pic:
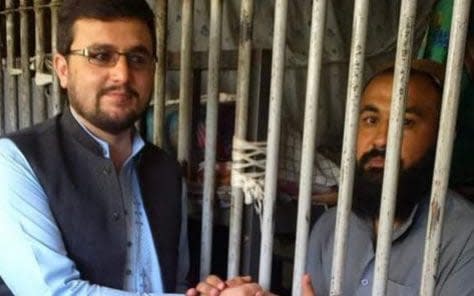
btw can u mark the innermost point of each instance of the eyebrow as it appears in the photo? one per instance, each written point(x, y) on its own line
point(137, 48)
point(369, 108)
point(410, 110)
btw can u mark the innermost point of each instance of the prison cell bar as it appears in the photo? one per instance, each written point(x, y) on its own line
point(185, 83)
point(55, 89)
point(211, 136)
point(318, 23)
point(348, 157)
point(39, 103)
point(273, 140)
point(241, 120)
point(394, 140)
point(24, 91)
point(159, 96)
point(11, 97)
point(444, 148)
point(2, 97)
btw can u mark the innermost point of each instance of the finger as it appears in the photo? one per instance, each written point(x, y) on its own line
point(238, 280)
point(206, 289)
point(215, 282)
point(192, 292)
point(306, 286)
point(250, 289)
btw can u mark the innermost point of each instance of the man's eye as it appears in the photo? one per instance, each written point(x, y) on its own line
point(408, 122)
point(103, 57)
point(138, 58)
point(369, 120)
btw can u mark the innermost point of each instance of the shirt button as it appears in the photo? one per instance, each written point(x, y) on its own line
point(129, 244)
point(128, 272)
point(364, 282)
point(115, 216)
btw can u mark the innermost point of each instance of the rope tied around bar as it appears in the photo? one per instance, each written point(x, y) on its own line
point(248, 170)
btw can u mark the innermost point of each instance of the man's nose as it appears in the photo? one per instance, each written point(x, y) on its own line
point(121, 71)
point(380, 137)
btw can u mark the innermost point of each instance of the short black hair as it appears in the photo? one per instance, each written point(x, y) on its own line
point(104, 10)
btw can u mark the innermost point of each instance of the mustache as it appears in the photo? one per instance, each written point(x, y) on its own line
point(371, 154)
point(128, 90)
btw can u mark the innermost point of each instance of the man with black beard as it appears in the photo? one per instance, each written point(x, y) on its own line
point(87, 207)
point(456, 261)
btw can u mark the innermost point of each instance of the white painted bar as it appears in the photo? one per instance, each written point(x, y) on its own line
point(211, 136)
point(318, 24)
point(11, 96)
point(348, 158)
point(241, 120)
point(394, 140)
point(449, 108)
point(273, 140)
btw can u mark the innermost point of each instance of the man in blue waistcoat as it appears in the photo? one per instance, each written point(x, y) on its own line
point(87, 207)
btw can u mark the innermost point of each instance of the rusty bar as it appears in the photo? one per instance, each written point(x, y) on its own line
point(159, 96)
point(56, 103)
point(24, 93)
point(318, 23)
point(394, 139)
point(39, 102)
point(348, 158)
point(241, 121)
point(2, 96)
point(11, 96)
point(185, 84)
point(444, 148)
point(271, 168)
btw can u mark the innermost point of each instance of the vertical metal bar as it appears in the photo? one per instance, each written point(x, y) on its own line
point(159, 97)
point(444, 148)
point(55, 91)
point(394, 139)
point(273, 140)
point(39, 103)
point(24, 95)
point(185, 84)
point(211, 136)
point(318, 23)
point(348, 159)
point(241, 121)
point(11, 97)
point(2, 96)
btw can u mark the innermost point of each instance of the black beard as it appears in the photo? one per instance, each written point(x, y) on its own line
point(100, 119)
point(414, 184)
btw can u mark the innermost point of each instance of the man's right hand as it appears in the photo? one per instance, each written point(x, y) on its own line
point(307, 286)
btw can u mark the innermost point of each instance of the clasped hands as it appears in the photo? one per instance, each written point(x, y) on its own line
point(240, 286)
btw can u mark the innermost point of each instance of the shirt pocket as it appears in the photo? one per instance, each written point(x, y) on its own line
point(396, 289)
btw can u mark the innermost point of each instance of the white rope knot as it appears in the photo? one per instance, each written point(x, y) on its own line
point(248, 170)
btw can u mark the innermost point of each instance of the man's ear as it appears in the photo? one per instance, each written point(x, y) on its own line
point(61, 68)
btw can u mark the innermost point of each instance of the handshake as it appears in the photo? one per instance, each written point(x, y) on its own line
point(241, 286)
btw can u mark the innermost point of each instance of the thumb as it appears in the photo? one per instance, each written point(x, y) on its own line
point(306, 286)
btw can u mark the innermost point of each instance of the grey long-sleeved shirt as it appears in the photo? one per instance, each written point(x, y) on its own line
point(456, 261)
